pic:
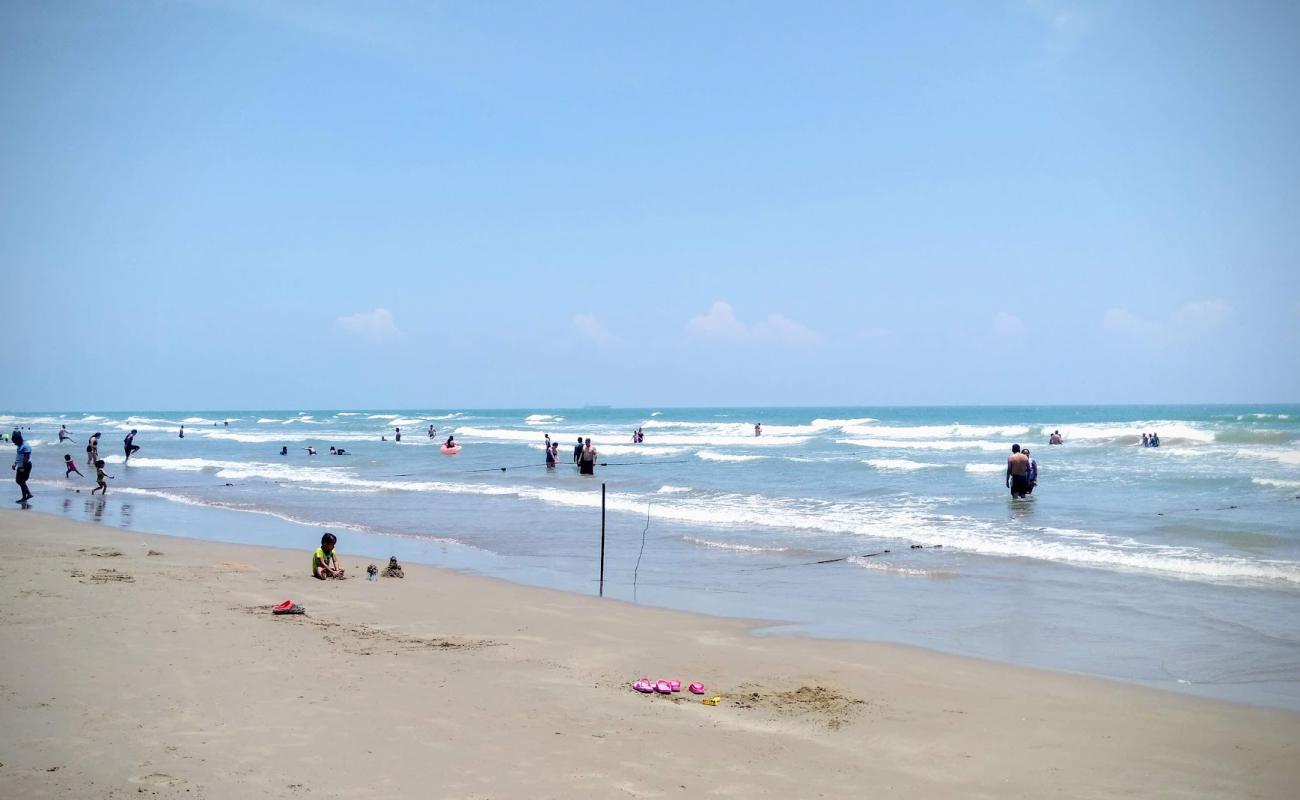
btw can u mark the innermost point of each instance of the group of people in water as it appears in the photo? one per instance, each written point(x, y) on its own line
point(1152, 440)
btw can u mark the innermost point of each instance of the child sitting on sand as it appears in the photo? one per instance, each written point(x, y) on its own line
point(324, 564)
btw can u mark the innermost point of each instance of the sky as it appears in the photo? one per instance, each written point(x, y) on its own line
point(285, 205)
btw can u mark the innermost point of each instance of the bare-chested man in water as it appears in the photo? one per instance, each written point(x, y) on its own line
point(1018, 472)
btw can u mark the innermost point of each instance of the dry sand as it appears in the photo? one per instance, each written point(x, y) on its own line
point(134, 665)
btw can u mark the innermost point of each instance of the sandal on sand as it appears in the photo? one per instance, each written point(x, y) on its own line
point(675, 686)
point(288, 607)
point(662, 687)
point(644, 686)
point(696, 688)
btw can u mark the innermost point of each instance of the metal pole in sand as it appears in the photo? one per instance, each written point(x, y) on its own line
point(602, 540)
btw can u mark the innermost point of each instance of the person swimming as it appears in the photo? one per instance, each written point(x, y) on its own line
point(311, 451)
point(451, 442)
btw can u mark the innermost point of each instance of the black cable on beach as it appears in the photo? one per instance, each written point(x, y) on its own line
point(843, 558)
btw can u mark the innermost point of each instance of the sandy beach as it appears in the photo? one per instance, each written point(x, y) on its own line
point(135, 664)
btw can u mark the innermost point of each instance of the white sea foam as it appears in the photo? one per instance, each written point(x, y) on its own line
point(667, 489)
point(384, 416)
point(985, 468)
point(901, 464)
point(925, 432)
point(602, 440)
point(741, 511)
point(739, 547)
point(1275, 483)
point(400, 422)
point(921, 444)
point(710, 455)
point(540, 419)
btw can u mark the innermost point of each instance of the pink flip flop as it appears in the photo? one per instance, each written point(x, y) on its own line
point(696, 688)
point(662, 687)
point(644, 686)
point(675, 686)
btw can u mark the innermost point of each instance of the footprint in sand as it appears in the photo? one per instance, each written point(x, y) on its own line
point(159, 779)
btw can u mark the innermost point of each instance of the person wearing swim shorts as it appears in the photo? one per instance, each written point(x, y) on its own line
point(587, 464)
point(1017, 472)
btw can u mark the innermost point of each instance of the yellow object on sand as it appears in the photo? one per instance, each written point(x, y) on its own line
point(712, 701)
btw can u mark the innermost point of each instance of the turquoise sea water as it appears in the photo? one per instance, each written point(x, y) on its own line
point(1177, 567)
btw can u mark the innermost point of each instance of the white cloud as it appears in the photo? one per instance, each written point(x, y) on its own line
point(373, 325)
point(591, 328)
point(720, 322)
point(1008, 324)
point(1189, 322)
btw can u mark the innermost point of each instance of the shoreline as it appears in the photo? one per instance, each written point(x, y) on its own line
point(168, 673)
point(161, 514)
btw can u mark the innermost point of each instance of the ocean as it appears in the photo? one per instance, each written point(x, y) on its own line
point(1176, 567)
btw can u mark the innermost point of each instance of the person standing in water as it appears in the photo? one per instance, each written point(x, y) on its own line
point(92, 449)
point(1032, 474)
point(1017, 472)
point(758, 429)
point(129, 445)
point(587, 460)
point(397, 435)
point(182, 433)
point(550, 453)
point(432, 431)
point(22, 465)
point(64, 435)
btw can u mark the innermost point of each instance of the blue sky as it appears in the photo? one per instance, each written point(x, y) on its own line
point(319, 205)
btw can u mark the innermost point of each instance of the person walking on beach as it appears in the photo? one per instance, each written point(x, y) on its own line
point(101, 485)
point(1017, 472)
point(71, 466)
point(587, 464)
point(64, 435)
point(129, 445)
point(577, 451)
point(22, 465)
point(1032, 474)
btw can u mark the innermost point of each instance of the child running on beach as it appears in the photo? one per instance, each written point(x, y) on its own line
point(100, 475)
point(71, 466)
point(324, 564)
